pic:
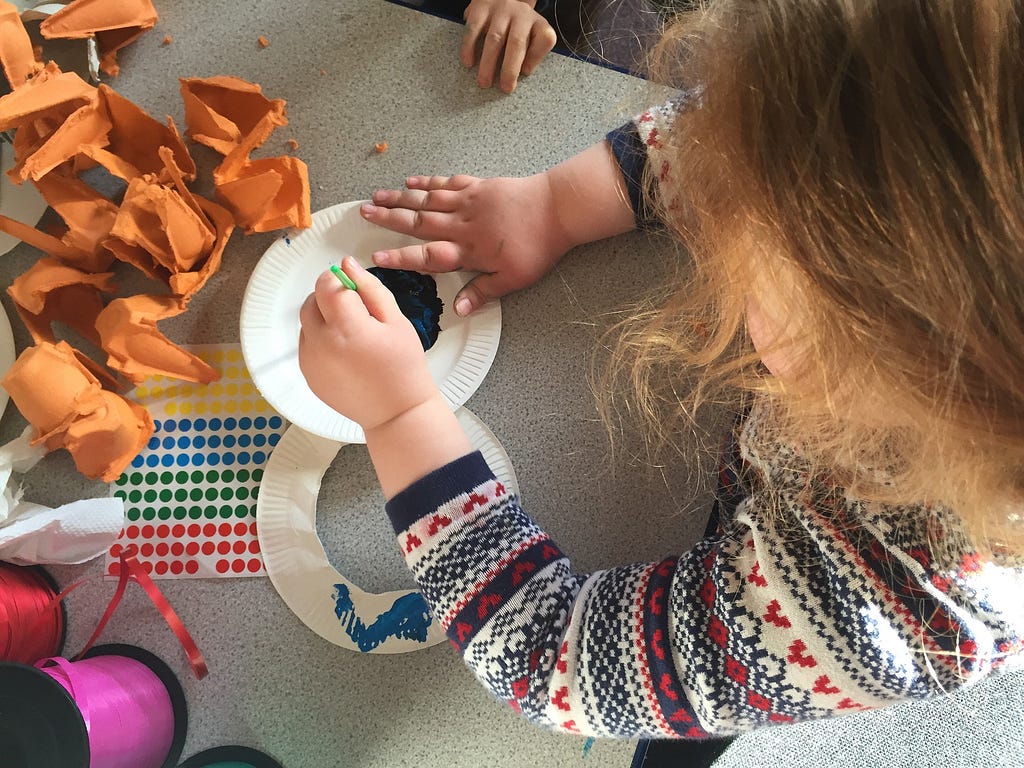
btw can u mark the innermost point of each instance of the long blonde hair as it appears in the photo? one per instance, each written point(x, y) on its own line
point(862, 159)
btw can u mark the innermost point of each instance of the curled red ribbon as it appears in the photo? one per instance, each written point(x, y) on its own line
point(131, 570)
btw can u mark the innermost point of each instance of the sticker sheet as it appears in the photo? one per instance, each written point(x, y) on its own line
point(190, 495)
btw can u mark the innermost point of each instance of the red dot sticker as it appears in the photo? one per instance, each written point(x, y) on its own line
point(178, 531)
point(192, 567)
point(238, 565)
point(163, 531)
point(255, 565)
point(224, 547)
point(239, 547)
point(132, 531)
point(146, 550)
point(209, 547)
point(254, 547)
point(148, 566)
point(160, 568)
point(115, 551)
point(209, 529)
point(252, 528)
point(177, 549)
point(241, 529)
point(192, 549)
point(147, 531)
point(114, 569)
point(225, 529)
point(162, 549)
point(194, 530)
point(177, 567)
point(223, 566)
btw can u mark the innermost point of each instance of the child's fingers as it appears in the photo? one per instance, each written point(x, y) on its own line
point(376, 298)
point(310, 318)
point(454, 183)
point(334, 305)
point(476, 22)
point(542, 41)
point(441, 200)
point(438, 256)
point(479, 291)
point(426, 225)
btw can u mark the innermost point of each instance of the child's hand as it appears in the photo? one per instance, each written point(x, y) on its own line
point(359, 353)
point(507, 31)
point(508, 229)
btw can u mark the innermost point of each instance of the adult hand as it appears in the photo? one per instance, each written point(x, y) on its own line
point(359, 353)
point(508, 34)
point(508, 229)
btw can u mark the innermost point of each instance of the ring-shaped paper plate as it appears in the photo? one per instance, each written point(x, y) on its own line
point(284, 277)
point(7, 355)
point(326, 601)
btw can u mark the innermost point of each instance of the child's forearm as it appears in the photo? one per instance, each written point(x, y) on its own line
point(590, 198)
point(414, 444)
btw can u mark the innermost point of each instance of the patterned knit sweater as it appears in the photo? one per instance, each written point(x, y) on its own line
point(805, 604)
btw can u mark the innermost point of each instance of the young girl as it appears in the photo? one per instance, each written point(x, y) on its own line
point(847, 178)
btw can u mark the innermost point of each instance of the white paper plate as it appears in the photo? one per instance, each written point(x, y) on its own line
point(7, 355)
point(297, 564)
point(22, 203)
point(283, 279)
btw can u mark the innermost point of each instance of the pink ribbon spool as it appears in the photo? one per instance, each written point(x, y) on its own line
point(133, 706)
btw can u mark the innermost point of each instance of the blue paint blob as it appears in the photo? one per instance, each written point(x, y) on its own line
point(408, 619)
point(417, 297)
point(275, 422)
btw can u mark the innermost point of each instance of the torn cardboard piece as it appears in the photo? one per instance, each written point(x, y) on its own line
point(16, 55)
point(221, 112)
point(113, 24)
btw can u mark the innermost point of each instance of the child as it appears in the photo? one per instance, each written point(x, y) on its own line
point(847, 178)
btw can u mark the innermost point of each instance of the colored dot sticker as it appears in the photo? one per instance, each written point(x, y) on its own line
point(190, 494)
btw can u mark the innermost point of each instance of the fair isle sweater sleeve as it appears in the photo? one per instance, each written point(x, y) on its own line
point(779, 618)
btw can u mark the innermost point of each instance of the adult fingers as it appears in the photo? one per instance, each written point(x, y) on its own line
point(438, 256)
point(542, 39)
point(494, 46)
point(479, 291)
point(515, 52)
point(441, 200)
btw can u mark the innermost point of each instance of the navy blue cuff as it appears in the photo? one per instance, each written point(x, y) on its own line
point(630, 154)
point(440, 486)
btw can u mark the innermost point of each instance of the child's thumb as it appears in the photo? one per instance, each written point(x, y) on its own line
point(478, 292)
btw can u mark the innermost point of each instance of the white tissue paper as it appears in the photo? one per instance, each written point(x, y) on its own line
point(33, 534)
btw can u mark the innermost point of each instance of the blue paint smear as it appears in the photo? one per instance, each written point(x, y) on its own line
point(416, 295)
point(408, 619)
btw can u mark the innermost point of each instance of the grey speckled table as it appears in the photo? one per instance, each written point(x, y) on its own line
point(391, 74)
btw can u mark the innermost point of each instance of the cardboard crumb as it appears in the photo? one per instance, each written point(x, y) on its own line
point(262, 41)
point(168, 40)
point(380, 147)
point(292, 144)
point(323, 73)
